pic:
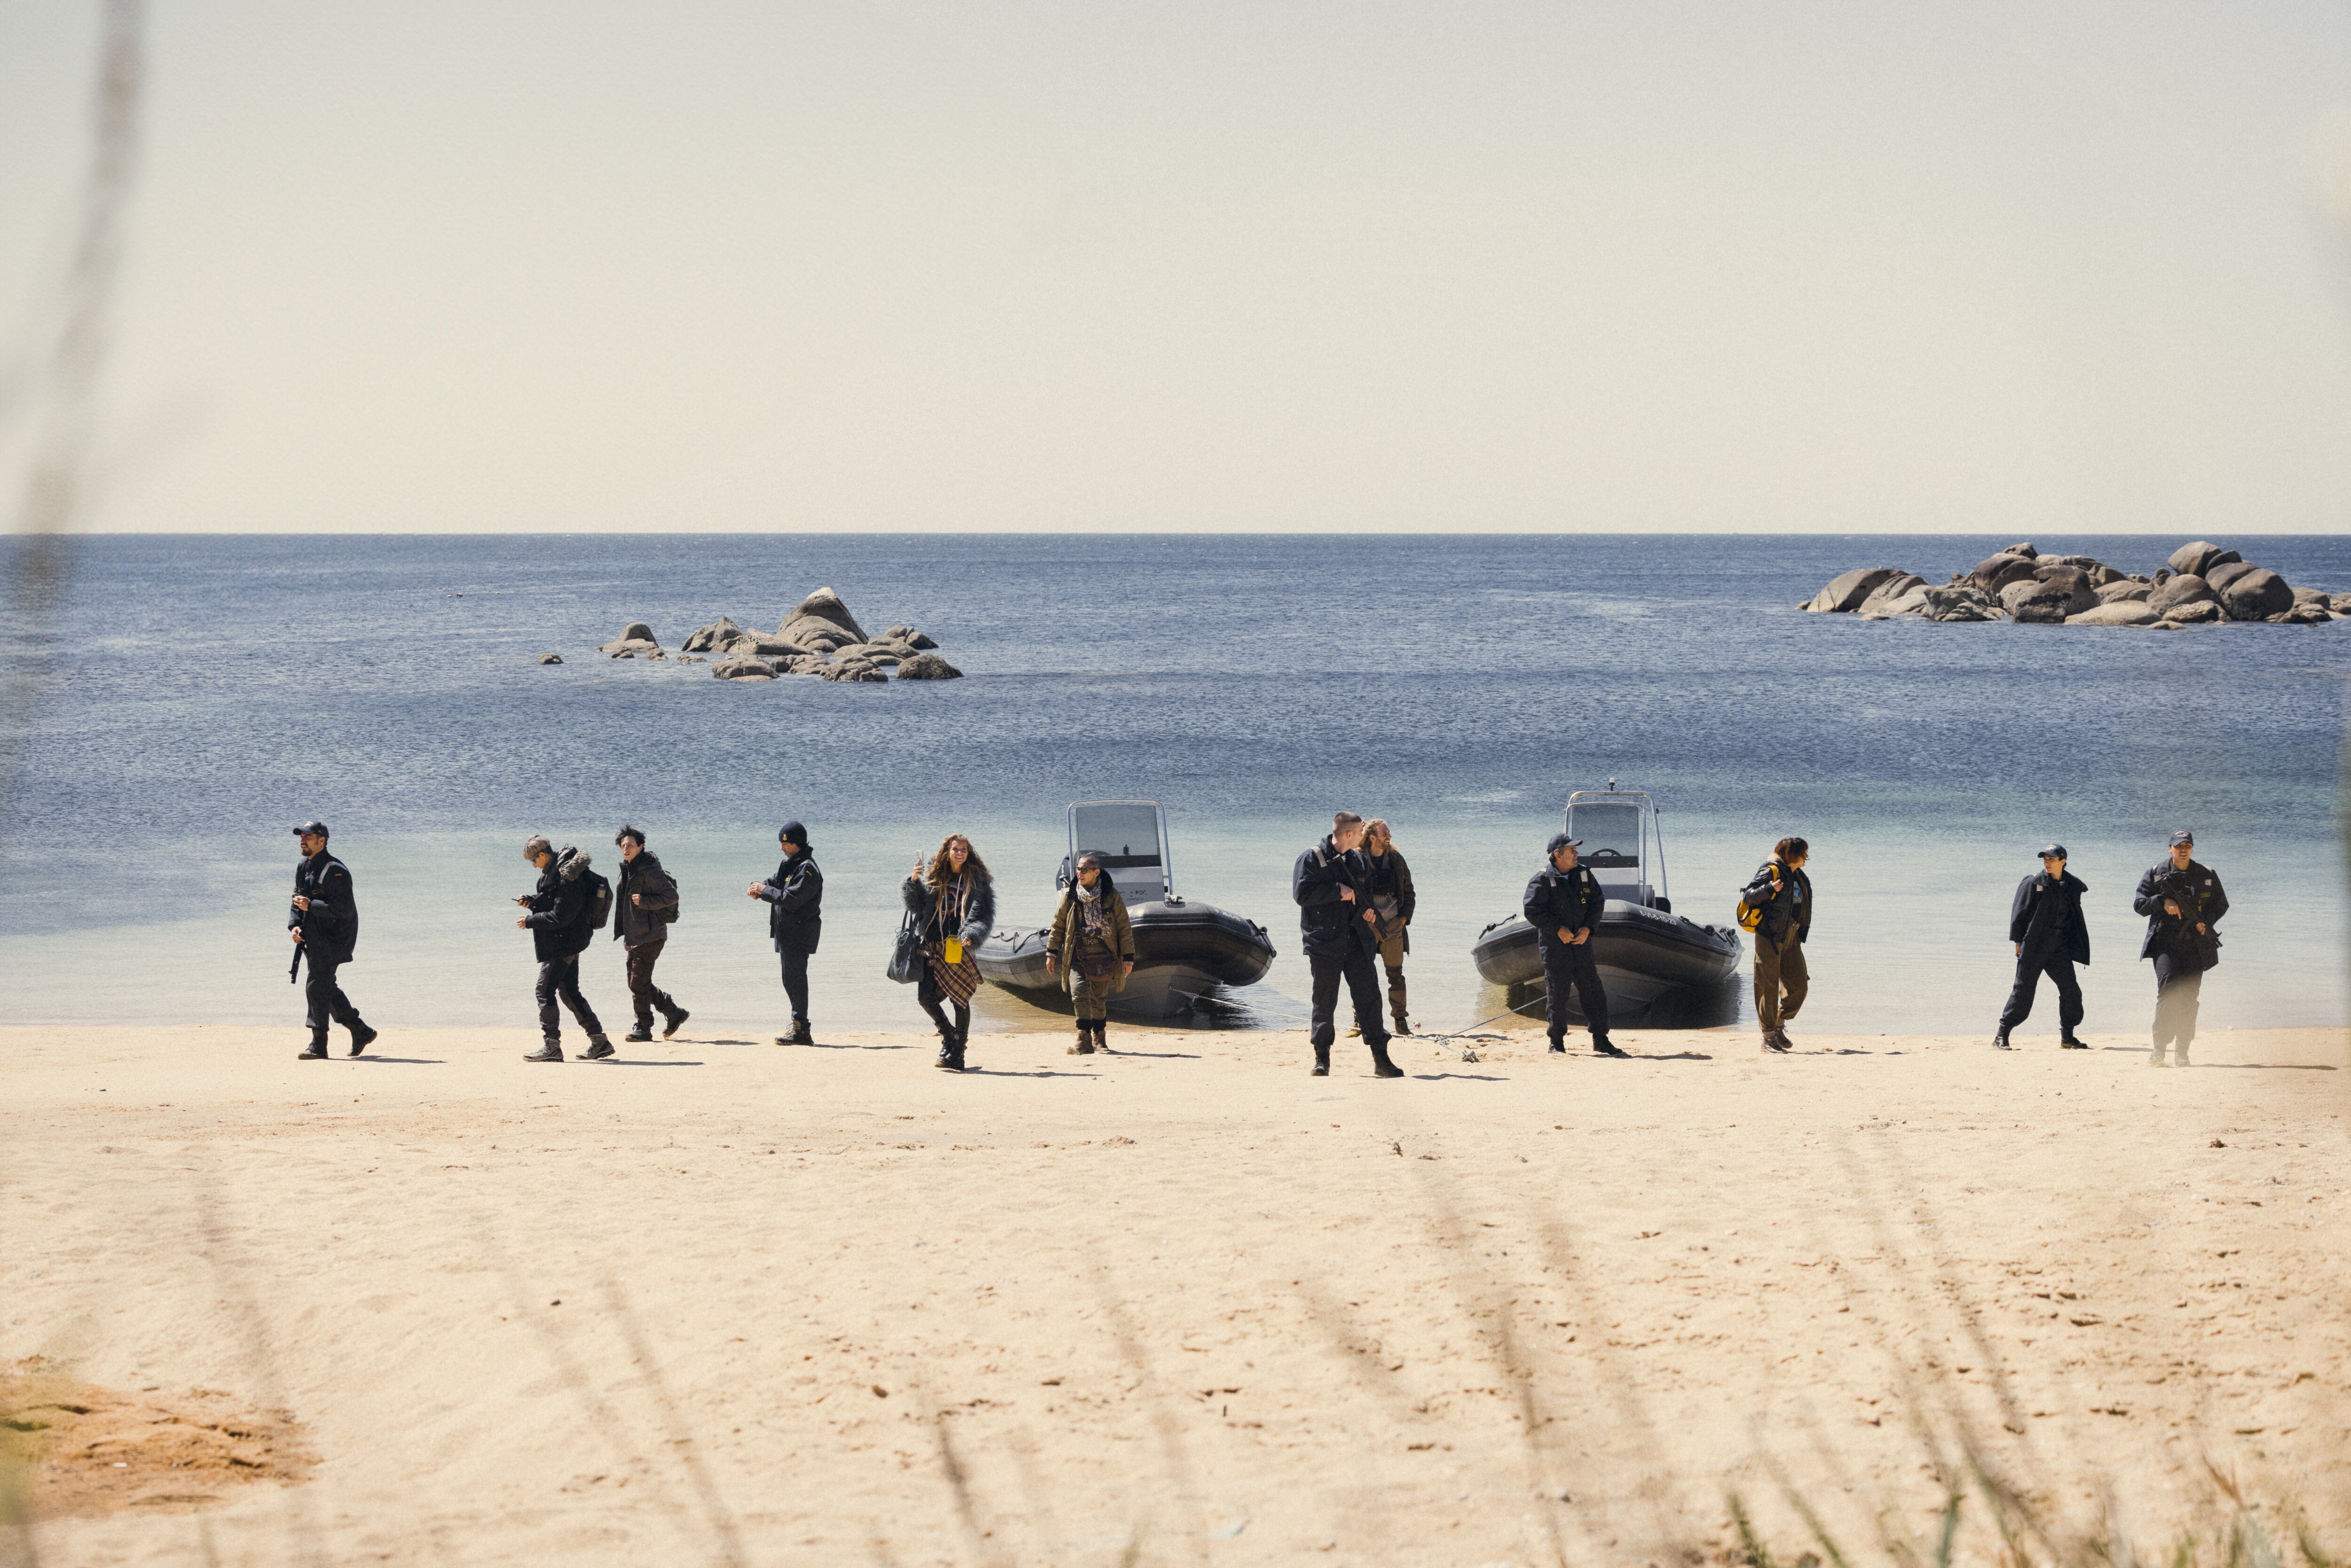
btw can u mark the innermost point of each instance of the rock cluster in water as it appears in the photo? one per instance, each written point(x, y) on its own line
point(818, 638)
point(2201, 585)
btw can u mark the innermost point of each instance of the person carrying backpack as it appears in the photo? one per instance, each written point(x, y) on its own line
point(1777, 907)
point(642, 909)
point(564, 917)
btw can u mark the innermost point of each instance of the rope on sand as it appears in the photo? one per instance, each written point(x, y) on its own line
point(1468, 1053)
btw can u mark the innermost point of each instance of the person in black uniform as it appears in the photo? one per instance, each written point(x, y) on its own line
point(795, 900)
point(325, 921)
point(2047, 928)
point(2183, 901)
point(1334, 890)
point(561, 923)
point(1563, 904)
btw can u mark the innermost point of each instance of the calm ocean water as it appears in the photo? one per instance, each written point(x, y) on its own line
point(199, 694)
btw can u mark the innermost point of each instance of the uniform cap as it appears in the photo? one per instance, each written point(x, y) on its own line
point(2053, 852)
point(1562, 842)
point(313, 826)
point(794, 832)
point(2182, 837)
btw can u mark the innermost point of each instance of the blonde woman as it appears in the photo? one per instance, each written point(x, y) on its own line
point(953, 901)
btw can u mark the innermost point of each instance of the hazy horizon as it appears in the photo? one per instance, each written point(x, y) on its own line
point(1844, 268)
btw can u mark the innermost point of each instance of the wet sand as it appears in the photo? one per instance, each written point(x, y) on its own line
point(725, 1301)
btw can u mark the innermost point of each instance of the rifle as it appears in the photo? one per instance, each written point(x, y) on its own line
point(2180, 888)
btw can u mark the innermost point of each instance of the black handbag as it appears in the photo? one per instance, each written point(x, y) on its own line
point(906, 954)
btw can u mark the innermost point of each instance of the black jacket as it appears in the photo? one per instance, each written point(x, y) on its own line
point(2046, 916)
point(1392, 879)
point(560, 920)
point(1792, 906)
point(2201, 901)
point(1555, 898)
point(1332, 927)
point(330, 926)
point(795, 900)
point(930, 910)
point(643, 877)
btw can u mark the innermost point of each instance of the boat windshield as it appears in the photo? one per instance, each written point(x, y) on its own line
point(1126, 834)
point(1611, 831)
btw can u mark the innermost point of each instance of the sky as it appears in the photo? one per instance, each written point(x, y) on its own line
point(702, 266)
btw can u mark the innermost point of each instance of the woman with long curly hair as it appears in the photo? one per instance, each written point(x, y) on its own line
point(953, 901)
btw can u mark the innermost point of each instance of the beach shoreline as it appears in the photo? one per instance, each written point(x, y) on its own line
point(1183, 1295)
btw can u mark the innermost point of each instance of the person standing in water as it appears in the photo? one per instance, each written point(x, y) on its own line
point(1783, 895)
point(1392, 902)
point(2046, 929)
point(1332, 891)
point(642, 907)
point(953, 901)
point(795, 900)
point(2183, 901)
point(324, 919)
point(1092, 944)
point(1563, 902)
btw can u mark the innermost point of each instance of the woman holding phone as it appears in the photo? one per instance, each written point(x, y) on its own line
point(953, 901)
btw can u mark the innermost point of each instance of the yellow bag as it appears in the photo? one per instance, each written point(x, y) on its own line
point(1750, 914)
point(954, 953)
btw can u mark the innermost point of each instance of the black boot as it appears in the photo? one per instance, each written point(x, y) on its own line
point(316, 1050)
point(1603, 1046)
point(552, 1051)
point(1381, 1066)
point(1999, 1040)
point(643, 1031)
point(2069, 1041)
point(802, 1033)
point(673, 1018)
point(1085, 1046)
point(1321, 1062)
point(1558, 1046)
point(1396, 1001)
point(362, 1035)
point(950, 1053)
point(599, 1047)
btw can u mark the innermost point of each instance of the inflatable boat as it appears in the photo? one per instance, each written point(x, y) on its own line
point(1649, 958)
point(1183, 949)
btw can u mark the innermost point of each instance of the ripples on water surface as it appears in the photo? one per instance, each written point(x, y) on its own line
point(203, 694)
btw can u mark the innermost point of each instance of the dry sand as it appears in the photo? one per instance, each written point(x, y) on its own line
point(730, 1302)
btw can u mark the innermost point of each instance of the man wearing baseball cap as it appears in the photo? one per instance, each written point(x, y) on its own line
point(324, 921)
point(1563, 902)
point(2050, 936)
point(2183, 901)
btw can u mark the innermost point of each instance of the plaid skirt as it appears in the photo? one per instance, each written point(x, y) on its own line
point(955, 982)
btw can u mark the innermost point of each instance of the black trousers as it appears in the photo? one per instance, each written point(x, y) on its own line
point(2179, 987)
point(796, 984)
point(643, 994)
point(1566, 965)
point(559, 978)
point(2029, 971)
point(326, 1000)
point(1361, 970)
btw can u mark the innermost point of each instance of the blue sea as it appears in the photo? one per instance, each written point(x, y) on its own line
point(193, 697)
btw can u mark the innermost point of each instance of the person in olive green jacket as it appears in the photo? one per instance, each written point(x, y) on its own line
point(1092, 944)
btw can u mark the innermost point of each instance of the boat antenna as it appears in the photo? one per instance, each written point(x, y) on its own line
point(1612, 785)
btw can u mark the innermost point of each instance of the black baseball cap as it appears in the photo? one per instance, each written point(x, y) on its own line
point(1562, 842)
point(312, 827)
point(2182, 837)
point(2053, 852)
point(793, 832)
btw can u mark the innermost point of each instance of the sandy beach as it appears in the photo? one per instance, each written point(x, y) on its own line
point(724, 1301)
